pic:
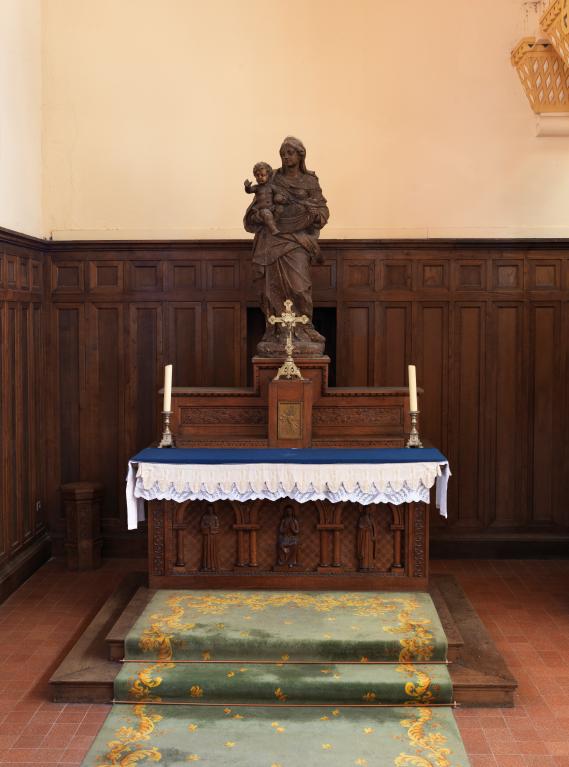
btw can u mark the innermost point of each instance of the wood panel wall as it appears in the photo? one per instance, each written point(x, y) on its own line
point(487, 324)
point(23, 540)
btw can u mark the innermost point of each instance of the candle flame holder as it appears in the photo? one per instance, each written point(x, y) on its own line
point(167, 436)
point(414, 440)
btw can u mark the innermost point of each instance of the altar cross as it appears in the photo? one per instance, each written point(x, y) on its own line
point(289, 320)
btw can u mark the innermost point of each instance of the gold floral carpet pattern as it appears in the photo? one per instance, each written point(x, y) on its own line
point(283, 679)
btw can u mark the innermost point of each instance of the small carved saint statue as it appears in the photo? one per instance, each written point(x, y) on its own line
point(209, 526)
point(287, 542)
point(366, 541)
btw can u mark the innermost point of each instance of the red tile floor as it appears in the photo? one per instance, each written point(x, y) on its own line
point(524, 604)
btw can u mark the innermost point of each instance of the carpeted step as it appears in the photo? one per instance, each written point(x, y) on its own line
point(297, 626)
point(289, 737)
point(290, 683)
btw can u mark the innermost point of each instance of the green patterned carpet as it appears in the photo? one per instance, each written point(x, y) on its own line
point(283, 679)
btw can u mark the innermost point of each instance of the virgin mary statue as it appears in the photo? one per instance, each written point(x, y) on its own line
point(281, 261)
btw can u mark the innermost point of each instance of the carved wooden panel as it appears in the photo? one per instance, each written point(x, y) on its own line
point(329, 543)
point(145, 276)
point(185, 343)
point(396, 276)
point(545, 275)
point(11, 272)
point(433, 275)
point(69, 329)
point(105, 277)
point(67, 277)
point(146, 371)
point(393, 337)
point(222, 275)
point(548, 383)
point(467, 455)
point(106, 452)
point(511, 404)
point(324, 277)
point(184, 276)
point(470, 275)
point(224, 343)
point(359, 275)
point(356, 344)
point(508, 275)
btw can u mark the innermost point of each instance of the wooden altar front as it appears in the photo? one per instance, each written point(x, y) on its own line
point(340, 545)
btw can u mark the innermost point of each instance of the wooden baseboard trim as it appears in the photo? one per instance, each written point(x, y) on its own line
point(23, 564)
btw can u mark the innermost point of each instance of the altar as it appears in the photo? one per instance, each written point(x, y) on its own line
point(252, 518)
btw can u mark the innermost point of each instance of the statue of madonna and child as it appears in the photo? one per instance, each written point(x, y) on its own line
point(286, 215)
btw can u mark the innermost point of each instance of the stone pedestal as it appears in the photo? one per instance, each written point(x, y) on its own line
point(82, 509)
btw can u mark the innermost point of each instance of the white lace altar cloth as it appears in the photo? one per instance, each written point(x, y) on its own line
point(395, 483)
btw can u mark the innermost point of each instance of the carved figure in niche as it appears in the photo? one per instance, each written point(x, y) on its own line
point(366, 541)
point(281, 260)
point(266, 195)
point(209, 526)
point(287, 542)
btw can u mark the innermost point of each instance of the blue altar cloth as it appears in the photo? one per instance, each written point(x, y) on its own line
point(365, 476)
point(320, 455)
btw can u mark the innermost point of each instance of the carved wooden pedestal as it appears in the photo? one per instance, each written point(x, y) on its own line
point(83, 541)
point(251, 536)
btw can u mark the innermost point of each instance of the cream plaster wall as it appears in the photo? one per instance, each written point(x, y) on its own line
point(156, 110)
point(20, 116)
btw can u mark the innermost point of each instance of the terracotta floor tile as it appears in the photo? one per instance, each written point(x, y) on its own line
point(524, 605)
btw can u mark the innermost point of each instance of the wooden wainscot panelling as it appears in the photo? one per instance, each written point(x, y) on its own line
point(222, 275)
point(11, 272)
point(106, 277)
point(393, 343)
point(185, 343)
point(544, 275)
point(145, 362)
point(548, 384)
point(356, 344)
point(508, 276)
point(433, 275)
point(36, 271)
point(106, 453)
point(67, 277)
point(145, 276)
point(69, 329)
point(324, 278)
point(467, 413)
point(184, 275)
point(23, 543)
point(431, 352)
point(508, 404)
point(395, 275)
point(487, 324)
point(470, 275)
point(359, 274)
point(224, 343)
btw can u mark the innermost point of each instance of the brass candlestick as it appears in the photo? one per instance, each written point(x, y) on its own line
point(167, 436)
point(414, 440)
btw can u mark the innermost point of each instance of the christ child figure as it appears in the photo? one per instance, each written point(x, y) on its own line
point(267, 198)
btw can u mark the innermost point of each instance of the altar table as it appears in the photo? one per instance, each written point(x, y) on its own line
point(364, 476)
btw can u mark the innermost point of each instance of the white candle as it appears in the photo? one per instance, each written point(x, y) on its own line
point(167, 388)
point(413, 388)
